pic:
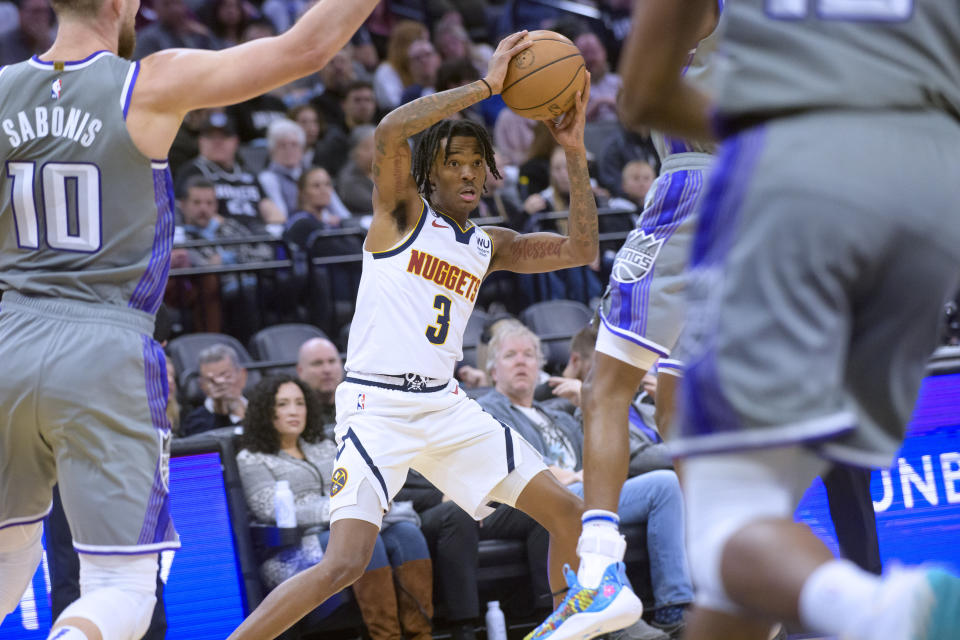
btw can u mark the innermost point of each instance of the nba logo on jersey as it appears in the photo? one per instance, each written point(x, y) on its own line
point(361, 401)
point(55, 89)
point(636, 258)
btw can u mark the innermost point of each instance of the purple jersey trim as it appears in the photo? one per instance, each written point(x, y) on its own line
point(70, 63)
point(149, 291)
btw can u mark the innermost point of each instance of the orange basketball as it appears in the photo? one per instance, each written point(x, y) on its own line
point(542, 81)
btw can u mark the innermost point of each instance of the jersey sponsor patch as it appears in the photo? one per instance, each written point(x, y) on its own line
point(637, 256)
point(338, 481)
point(483, 245)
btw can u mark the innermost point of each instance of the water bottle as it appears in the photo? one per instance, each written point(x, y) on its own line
point(496, 623)
point(283, 506)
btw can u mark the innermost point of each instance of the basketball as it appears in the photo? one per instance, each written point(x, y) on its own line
point(542, 81)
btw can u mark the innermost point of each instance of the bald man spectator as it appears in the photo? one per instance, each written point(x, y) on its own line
point(320, 366)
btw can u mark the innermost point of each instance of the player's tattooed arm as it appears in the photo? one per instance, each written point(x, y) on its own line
point(583, 226)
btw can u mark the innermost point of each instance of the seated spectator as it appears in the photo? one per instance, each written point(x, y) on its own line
point(653, 498)
point(320, 366)
point(283, 439)
point(604, 85)
point(637, 178)
point(222, 379)
point(453, 41)
point(534, 175)
point(621, 147)
point(239, 194)
point(33, 34)
point(393, 74)
point(456, 73)
point(286, 142)
point(283, 13)
point(424, 63)
point(500, 198)
point(174, 28)
point(355, 180)
point(340, 73)
point(359, 108)
point(513, 136)
point(208, 295)
point(319, 209)
point(312, 123)
point(227, 20)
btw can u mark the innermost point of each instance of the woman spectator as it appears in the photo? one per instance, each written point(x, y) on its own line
point(393, 74)
point(283, 439)
point(355, 180)
point(319, 209)
point(314, 125)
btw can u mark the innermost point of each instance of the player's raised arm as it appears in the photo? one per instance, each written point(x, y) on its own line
point(393, 184)
point(538, 252)
point(174, 81)
point(655, 95)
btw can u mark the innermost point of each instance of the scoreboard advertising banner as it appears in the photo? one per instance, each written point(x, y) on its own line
point(917, 504)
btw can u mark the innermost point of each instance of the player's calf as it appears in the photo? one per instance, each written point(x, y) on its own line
point(20, 553)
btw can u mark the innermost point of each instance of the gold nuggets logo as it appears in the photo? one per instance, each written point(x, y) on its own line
point(338, 480)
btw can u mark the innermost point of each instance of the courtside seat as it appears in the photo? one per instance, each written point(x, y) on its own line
point(556, 321)
point(281, 343)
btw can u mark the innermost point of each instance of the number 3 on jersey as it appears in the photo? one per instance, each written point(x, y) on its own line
point(437, 334)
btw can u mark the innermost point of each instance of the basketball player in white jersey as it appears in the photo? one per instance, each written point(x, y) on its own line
point(83, 396)
point(399, 405)
point(800, 265)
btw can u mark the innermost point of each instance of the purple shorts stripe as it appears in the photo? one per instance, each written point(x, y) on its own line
point(707, 410)
point(149, 290)
point(156, 525)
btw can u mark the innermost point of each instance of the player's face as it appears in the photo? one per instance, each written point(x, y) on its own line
point(322, 368)
point(458, 179)
point(516, 367)
point(317, 188)
point(289, 410)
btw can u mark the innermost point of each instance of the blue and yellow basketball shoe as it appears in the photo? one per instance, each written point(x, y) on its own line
point(586, 613)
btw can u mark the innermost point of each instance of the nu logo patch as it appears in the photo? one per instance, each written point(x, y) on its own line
point(338, 480)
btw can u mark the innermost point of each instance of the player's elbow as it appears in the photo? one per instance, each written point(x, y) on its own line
point(389, 129)
point(585, 253)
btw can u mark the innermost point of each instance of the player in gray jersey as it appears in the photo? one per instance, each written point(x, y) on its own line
point(828, 242)
point(86, 227)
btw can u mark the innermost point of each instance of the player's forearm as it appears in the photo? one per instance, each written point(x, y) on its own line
point(413, 117)
point(683, 111)
point(324, 30)
point(582, 223)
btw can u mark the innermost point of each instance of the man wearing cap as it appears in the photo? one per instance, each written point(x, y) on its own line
point(239, 194)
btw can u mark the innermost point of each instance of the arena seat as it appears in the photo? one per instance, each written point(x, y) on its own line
point(556, 321)
point(281, 343)
point(471, 336)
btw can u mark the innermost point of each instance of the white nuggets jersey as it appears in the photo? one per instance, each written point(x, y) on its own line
point(415, 299)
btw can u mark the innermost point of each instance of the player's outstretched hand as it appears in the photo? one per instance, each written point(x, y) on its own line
point(568, 132)
point(508, 47)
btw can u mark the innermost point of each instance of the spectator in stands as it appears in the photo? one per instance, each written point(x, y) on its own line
point(456, 73)
point(286, 142)
point(340, 73)
point(222, 379)
point(283, 13)
point(621, 147)
point(319, 209)
point(33, 34)
point(604, 85)
point(355, 180)
point(312, 123)
point(424, 63)
point(453, 41)
point(500, 198)
point(393, 74)
point(283, 439)
point(653, 498)
point(239, 194)
point(174, 28)
point(637, 178)
point(320, 366)
point(534, 174)
point(227, 20)
point(9, 17)
point(513, 135)
point(359, 108)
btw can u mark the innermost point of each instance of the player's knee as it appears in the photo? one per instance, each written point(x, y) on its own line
point(345, 569)
point(118, 594)
point(20, 553)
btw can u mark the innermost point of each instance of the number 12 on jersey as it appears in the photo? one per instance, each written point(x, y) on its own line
point(437, 333)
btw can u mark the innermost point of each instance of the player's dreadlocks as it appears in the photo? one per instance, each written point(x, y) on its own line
point(429, 145)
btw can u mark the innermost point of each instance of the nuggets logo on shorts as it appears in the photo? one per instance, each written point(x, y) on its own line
point(635, 259)
point(338, 480)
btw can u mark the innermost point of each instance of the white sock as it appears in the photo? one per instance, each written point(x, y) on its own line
point(835, 596)
point(600, 546)
point(67, 633)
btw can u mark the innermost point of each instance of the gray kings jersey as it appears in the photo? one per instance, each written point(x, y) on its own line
point(699, 71)
point(784, 56)
point(83, 214)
